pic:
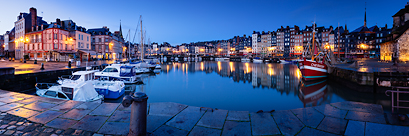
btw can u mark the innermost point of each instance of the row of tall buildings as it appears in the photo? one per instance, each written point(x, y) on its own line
point(34, 38)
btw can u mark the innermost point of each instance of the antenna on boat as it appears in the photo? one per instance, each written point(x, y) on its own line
point(313, 40)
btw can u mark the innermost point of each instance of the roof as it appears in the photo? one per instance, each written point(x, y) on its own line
point(361, 29)
point(97, 31)
point(402, 11)
point(401, 30)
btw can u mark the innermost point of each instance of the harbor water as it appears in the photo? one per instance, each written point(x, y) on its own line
point(244, 87)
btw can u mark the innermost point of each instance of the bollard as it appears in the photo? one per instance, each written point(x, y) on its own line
point(69, 64)
point(42, 66)
point(137, 125)
point(35, 61)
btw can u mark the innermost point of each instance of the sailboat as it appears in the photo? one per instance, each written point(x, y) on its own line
point(314, 68)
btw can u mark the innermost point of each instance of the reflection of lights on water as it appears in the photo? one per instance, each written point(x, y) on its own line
point(271, 71)
point(183, 67)
point(269, 65)
point(219, 65)
point(363, 69)
point(248, 70)
point(231, 67)
point(201, 66)
point(167, 68)
point(299, 75)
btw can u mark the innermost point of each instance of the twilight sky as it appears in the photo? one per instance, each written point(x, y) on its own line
point(185, 21)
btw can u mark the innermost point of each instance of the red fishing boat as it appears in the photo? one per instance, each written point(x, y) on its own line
point(314, 68)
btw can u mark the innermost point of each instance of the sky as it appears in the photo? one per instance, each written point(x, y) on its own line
point(185, 21)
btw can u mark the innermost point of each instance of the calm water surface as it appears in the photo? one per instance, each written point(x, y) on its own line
point(243, 86)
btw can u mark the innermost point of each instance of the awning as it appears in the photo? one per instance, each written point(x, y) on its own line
point(337, 52)
point(88, 52)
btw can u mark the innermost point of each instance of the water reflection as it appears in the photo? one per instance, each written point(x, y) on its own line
point(244, 87)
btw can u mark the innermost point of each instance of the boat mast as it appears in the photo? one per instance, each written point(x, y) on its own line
point(142, 49)
point(313, 41)
point(129, 46)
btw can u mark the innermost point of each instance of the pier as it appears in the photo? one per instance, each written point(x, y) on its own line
point(23, 114)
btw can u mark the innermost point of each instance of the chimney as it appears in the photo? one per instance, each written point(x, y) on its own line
point(37, 28)
point(33, 13)
point(32, 28)
point(63, 25)
point(42, 27)
point(386, 26)
point(58, 21)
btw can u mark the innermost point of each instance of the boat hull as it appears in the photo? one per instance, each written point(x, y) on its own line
point(109, 94)
point(312, 70)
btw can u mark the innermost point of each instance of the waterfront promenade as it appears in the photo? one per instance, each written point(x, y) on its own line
point(30, 67)
point(23, 114)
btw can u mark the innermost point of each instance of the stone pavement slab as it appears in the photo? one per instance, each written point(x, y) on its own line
point(309, 116)
point(238, 115)
point(367, 117)
point(88, 105)
point(75, 114)
point(40, 106)
point(64, 107)
point(355, 128)
point(50, 100)
point(10, 99)
point(287, 122)
point(306, 131)
point(263, 124)
point(169, 131)
point(114, 128)
point(155, 121)
point(359, 106)
point(186, 119)
point(8, 94)
point(10, 106)
point(45, 116)
point(105, 109)
point(213, 119)
point(333, 125)
point(2, 103)
point(166, 108)
point(22, 112)
point(120, 116)
point(61, 123)
point(90, 123)
point(233, 128)
point(331, 111)
point(28, 101)
point(373, 129)
point(202, 131)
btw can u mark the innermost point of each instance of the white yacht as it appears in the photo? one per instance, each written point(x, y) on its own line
point(78, 88)
point(126, 73)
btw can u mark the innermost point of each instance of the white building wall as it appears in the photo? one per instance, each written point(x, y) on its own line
point(19, 38)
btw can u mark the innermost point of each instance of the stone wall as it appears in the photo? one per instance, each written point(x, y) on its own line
point(387, 51)
point(26, 82)
point(403, 47)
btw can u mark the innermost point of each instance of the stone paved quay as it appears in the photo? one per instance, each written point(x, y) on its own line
point(30, 67)
point(29, 115)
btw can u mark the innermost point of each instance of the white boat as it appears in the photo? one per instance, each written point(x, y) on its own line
point(126, 73)
point(257, 60)
point(245, 60)
point(284, 62)
point(109, 87)
point(78, 88)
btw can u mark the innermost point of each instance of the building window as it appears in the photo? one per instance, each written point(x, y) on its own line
point(100, 40)
point(55, 36)
point(87, 38)
point(55, 46)
point(87, 46)
point(93, 39)
point(79, 44)
point(82, 37)
point(79, 36)
point(66, 46)
point(106, 39)
point(61, 37)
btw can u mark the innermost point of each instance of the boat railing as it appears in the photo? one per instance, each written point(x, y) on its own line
point(397, 92)
point(44, 85)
